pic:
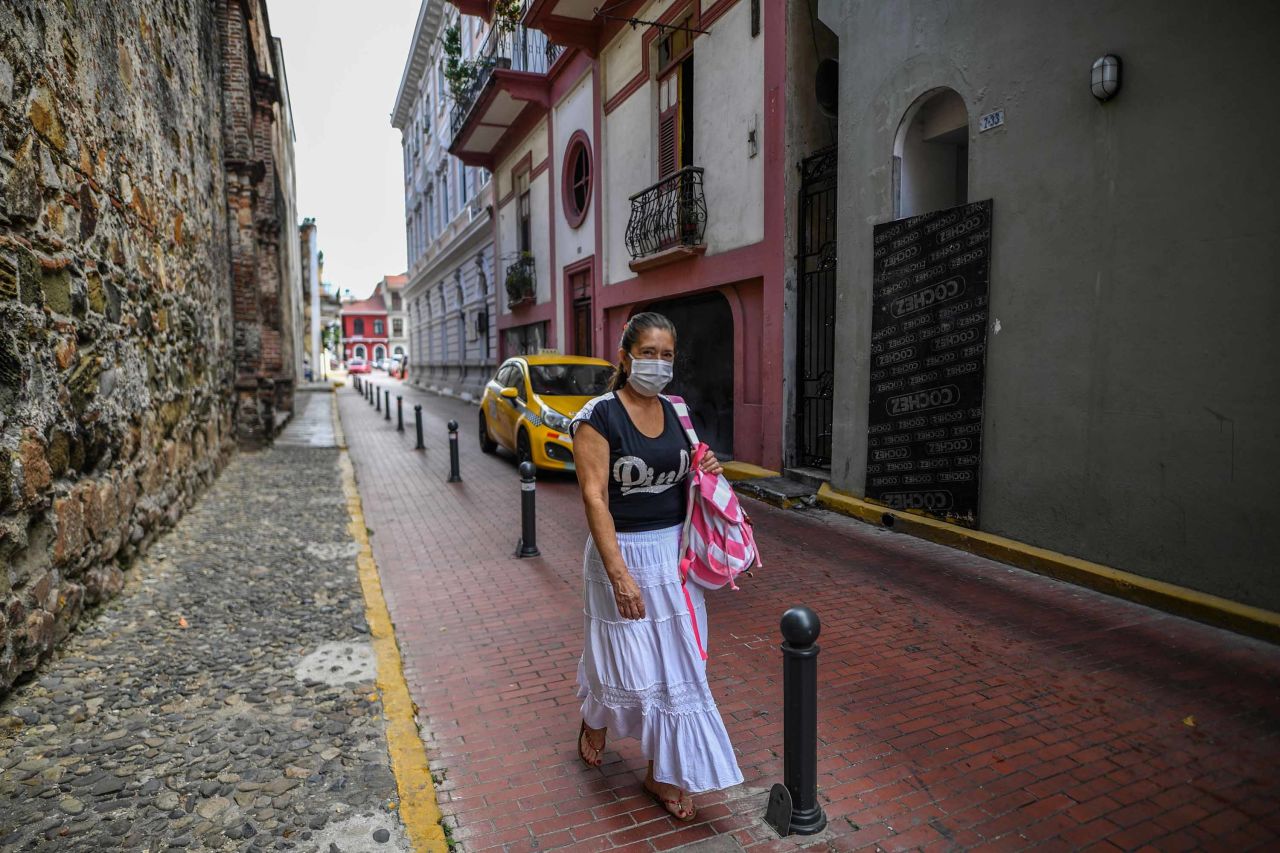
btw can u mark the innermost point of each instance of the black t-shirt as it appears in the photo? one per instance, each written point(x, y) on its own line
point(646, 475)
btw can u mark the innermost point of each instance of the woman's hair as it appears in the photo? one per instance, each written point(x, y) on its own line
point(631, 332)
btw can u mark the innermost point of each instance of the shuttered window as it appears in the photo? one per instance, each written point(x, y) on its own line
point(669, 124)
point(675, 101)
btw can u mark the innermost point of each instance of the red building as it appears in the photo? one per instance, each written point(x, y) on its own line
point(364, 329)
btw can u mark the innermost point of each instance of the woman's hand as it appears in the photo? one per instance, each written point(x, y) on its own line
point(710, 464)
point(627, 596)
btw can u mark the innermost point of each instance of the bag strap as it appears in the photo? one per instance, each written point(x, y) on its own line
point(682, 413)
point(686, 545)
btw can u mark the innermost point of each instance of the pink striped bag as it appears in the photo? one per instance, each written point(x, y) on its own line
point(717, 543)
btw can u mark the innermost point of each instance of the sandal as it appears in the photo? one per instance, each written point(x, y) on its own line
point(598, 750)
point(675, 807)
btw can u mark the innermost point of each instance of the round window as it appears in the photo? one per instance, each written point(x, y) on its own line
point(576, 183)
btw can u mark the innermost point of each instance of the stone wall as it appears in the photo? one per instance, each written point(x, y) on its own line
point(117, 357)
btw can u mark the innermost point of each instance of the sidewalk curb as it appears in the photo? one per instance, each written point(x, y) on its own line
point(1171, 598)
point(419, 811)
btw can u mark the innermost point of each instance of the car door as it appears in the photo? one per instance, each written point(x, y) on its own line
point(516, 407)
point(496, 408)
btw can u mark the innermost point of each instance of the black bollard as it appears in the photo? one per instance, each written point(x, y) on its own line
point(454, 475)
point(368, 393)
point(377, 399)
point(399, 413)
point(800, 628)
point(528, 544)
point(355, 382)
point(417, 422)
point(387, 410)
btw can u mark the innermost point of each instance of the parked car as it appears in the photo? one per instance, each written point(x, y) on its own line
point(528, 404)
point(357, 365)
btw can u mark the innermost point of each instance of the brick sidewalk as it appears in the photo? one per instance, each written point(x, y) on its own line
point(964, 704)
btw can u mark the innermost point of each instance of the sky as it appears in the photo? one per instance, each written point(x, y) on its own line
point(344, 65)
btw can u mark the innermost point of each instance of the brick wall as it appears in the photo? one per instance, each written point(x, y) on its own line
point(130, 313)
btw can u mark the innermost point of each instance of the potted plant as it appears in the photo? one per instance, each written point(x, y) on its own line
point(520, 282)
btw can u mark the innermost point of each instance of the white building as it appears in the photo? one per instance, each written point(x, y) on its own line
point(391, 289)
point(449, 297)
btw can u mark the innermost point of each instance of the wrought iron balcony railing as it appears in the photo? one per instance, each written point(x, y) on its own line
point(521, 282)
point(672, 212)
point(519, 49)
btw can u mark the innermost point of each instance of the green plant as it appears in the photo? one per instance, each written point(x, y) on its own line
point(519, 282)
point(459, 73)
point(508, 14)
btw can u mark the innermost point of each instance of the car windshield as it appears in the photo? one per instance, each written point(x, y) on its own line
point(569, 380)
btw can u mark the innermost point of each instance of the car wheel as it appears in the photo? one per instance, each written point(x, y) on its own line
point(487, 444)
point(524, 450)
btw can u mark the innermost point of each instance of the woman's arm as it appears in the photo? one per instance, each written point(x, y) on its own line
point(591, 458)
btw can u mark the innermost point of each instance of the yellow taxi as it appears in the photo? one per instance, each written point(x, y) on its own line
point(529, 402)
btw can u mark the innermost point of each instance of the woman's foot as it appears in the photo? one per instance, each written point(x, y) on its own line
point(591, 745)
point(677, 803)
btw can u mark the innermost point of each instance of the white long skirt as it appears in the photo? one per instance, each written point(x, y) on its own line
point(644, 678)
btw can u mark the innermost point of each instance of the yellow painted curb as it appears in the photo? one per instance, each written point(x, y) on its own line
point(747, 471)
point(418, 810)
point(1200, 606)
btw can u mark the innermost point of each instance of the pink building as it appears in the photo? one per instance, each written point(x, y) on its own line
point(655, 168)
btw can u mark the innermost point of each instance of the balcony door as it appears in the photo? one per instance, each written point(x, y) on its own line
point(675, 101)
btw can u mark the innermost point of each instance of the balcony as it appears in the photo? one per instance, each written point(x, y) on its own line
point(668, 220)
point(584, 24)
point(521, 282)
point(508, 88)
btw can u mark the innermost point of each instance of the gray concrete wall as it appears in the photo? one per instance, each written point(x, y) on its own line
point(1132, 405)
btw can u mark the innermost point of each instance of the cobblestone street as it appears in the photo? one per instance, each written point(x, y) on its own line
point(963, 704)
point(225, 700)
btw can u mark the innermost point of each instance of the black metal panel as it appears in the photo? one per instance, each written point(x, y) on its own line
point(816, 310)
point(928, 360)
point(672, 212)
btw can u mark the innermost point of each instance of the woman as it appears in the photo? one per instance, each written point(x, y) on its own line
point(641, 674)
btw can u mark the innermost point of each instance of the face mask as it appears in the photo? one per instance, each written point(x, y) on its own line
point(649, 376)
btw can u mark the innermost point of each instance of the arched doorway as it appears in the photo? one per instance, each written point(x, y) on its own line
point(704, 364)
point(360, 350)
point(379, 353)
point(931, 155)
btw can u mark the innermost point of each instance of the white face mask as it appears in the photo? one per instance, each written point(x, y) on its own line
point(648, 376)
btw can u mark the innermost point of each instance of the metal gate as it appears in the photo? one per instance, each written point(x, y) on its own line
point(816, 309)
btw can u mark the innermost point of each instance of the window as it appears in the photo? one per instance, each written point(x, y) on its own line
point(378, 328)
point(396, 303)
point(514, 378)
point(444, 192)
point(397, 328)
point(431, 214)
point(575, 189)
point(360, 351)
point(931, 155)
point(526, 339)
point(440, 85)
point(523, 212)
point(379, 353)
point(357, 326)
point(675, 100)
point(570, 380)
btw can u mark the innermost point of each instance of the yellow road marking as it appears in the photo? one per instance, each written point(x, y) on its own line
point(418, 810)
point(1172, 598)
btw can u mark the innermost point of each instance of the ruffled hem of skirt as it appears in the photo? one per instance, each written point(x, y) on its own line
point(665, 737)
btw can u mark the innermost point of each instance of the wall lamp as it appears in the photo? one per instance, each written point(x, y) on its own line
point(1104, 77)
